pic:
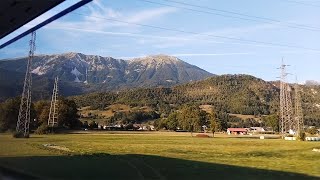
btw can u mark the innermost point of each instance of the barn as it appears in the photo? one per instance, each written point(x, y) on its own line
point(237, 131)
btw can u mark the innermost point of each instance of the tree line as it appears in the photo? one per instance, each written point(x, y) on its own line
point(191, 118)
point(67, 115)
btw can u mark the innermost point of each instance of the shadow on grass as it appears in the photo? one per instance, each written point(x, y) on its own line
point(35, 137)
point(104, 166)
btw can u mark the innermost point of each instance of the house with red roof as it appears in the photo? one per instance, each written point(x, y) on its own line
point(237, 131)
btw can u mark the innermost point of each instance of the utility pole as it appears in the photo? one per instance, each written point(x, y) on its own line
point(23, 122)
point(86, 81)
point(87, 75)
point(298, 109)
point(286, 121)
point(289, 113)
point(53, 114)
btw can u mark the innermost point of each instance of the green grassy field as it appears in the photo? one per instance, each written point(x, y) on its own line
point(157, 156)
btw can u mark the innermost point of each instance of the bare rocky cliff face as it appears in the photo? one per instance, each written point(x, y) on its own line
point(96, 73)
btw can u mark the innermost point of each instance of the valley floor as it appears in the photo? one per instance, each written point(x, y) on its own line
point(155, 156)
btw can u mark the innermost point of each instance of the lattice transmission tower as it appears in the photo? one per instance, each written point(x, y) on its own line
point(23, 122)
point(298, 109)
point(286, 119)
point(53, 114)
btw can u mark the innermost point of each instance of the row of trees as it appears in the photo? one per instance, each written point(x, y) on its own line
point(67, 115)
point(191, 118)
point(132, 117)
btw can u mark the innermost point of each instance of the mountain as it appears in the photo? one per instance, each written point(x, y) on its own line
point(81, 73)
point(312, 83)
point(162, 70)
point(11, 84)
point(238, 94)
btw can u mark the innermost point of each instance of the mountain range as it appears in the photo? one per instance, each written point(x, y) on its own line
point(80, 73)
point(151, 80)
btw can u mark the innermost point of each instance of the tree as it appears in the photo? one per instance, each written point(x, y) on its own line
point(68, 113)
point(312, 130)
point(42, 109)
point(172, 121)
point(9, 111)
point(85, 125)
point(215, 124)
point(203, 117)
point(272, 121)
point(189, 118)
point(93, 125)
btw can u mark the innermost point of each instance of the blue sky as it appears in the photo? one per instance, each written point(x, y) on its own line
point(90, 31)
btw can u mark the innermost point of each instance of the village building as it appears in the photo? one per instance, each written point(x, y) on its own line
point(257, 129)
point(237, 131)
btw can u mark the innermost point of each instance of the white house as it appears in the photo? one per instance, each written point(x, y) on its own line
point(257, 129)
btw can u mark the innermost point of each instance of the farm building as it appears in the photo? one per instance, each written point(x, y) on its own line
point(237, 131)
point(257, 129)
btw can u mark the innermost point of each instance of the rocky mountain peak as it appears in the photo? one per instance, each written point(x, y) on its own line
point(109, 73)
point(157, 60)
point(70, 54)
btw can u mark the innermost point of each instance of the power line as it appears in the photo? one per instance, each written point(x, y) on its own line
point(201, 34)
point(245, 17)
point(302, 3)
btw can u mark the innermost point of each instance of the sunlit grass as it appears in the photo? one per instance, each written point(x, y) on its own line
point(275, 154)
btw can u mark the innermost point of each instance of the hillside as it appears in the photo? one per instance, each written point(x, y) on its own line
point(11, 84)
point(241, 94)
point(236, 94)
point(91, 73)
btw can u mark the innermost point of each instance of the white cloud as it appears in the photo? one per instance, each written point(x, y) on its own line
point(210, 54)
point(190, 55)
point(150, 14)
point(100, 17)
point(95, 21)
point(300, 52)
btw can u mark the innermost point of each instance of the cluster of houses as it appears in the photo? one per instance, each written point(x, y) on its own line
point(256, 130)
point(230, 131)
point(137, 127)
point(244, 131)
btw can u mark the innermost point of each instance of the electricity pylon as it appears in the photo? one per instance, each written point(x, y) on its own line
point(86, 81)
point(298, 109)
point(286, 121)
point(53, 114)
point(289, 113)
point(87, 75)
point(23, 122)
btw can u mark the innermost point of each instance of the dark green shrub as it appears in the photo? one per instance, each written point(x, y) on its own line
point(302, 136)
point(43, 129)
point(20, 135)
point(312, 130)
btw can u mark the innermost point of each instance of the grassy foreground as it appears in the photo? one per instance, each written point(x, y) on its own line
point(156, 156)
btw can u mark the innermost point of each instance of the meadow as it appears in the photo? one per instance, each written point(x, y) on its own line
point(156, 155)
